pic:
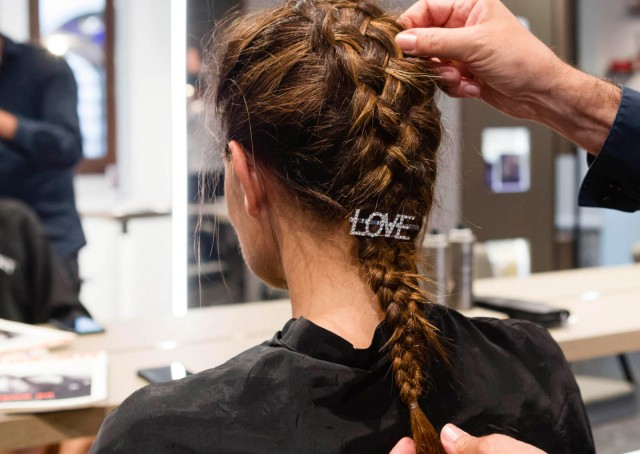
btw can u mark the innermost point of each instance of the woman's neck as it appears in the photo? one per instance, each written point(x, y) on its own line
point(325, 285)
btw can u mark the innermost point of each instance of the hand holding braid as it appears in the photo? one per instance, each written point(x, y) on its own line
point(321, 95)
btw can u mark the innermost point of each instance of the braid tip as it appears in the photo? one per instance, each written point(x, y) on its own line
point(424, 435)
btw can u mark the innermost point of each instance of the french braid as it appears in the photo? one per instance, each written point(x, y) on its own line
point(319, 92)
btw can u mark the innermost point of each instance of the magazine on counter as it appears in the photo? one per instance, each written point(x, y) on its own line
point(53, 382)
point(16, 337)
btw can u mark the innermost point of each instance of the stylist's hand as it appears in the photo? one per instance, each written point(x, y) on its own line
point(404, 446)
point(485, 52)
point(457, 441)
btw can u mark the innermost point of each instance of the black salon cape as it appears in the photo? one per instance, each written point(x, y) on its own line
point(309, 391)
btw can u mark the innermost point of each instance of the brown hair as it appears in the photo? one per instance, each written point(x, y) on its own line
point(320, 95)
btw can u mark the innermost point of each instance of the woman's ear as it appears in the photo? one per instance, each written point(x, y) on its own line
point(246, 172)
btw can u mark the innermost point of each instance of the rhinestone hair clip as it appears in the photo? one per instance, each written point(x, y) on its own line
point(386, 228)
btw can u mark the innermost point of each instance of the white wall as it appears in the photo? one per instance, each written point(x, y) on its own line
point(447, 212)
point(14, 19)
point(143, 91)
point(129, 275)
point(138, 263)
point(607, 32)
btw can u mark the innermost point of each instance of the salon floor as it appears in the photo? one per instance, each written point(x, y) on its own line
point(615, 421)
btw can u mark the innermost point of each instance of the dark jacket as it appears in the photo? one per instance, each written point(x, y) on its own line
point(613, 180)
point(309, 391)
point(31, 284)
point(37, 166)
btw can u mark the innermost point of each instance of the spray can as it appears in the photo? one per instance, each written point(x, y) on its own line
point(461, 241)
point(434, 250)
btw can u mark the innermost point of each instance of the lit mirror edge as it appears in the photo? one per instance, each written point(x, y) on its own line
point(179, 287)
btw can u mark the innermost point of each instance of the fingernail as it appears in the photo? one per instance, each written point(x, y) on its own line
point(472, 91)
point(406, 42)
point(451, 433)
point(448, 74)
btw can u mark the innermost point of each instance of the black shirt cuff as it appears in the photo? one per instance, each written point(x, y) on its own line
point(613, 179)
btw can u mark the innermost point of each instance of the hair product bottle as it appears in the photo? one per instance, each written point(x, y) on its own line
point(461, 241)
point(434, 250)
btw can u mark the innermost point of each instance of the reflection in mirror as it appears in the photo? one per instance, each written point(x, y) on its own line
point(216, 271)
point(211, 243)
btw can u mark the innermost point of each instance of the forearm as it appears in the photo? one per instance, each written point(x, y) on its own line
point(47, 136)
point(8, 125)
point(11, 167)
point(579, 106)
point(47, 144)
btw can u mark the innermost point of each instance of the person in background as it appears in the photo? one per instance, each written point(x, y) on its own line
point(525, 79)
point(466, 40)
point(40, 144)
point(330, 138)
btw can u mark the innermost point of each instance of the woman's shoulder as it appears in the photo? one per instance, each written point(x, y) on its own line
point(516, 369)
point(504, 356)
point(506, 335)
point(191, 413)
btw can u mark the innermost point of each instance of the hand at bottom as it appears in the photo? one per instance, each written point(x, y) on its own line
point(404, 446)
point(457, 441)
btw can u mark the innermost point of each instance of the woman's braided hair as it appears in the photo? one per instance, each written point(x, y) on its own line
point(319, 94)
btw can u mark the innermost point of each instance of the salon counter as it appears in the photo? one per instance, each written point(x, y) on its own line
point(604, 302)
point(202, 339)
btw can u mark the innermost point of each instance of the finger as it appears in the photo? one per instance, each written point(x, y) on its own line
point(465, 89)
point(453, 44)
point(452, 439)
point(451, 71)
point(437, 13)
point(450, 76)
point(418, 15)
point(404, 446)
point(462, 68)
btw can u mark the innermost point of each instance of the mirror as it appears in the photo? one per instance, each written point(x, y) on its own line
point(216, 271)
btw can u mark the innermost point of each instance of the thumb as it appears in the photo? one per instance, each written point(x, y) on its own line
point(455, 440)
point(447, 43)
point(404, 446)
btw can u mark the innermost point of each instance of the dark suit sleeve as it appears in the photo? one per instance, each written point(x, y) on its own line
point(11, 165)
point(613, 179)
point(53, 140)
point(25, 293)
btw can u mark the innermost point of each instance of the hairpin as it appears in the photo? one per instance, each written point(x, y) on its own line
point(385, 227)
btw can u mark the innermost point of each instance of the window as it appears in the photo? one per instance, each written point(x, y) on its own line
point(81, 31)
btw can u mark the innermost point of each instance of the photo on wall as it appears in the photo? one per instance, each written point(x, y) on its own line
point(506, 152)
